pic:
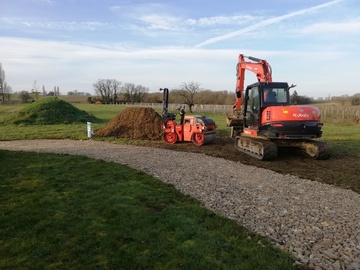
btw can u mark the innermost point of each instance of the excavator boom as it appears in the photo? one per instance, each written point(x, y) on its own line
point(260, 67)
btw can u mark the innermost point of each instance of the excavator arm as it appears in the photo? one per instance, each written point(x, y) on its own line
point(260, 67)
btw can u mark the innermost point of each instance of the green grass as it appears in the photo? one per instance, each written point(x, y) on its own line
point(343, 138)
point(61, 211)
point(50, 111)
point(75, 130)
point(102, 111)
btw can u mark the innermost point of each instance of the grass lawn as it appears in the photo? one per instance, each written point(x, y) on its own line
point(61, 211)
point(343, 138)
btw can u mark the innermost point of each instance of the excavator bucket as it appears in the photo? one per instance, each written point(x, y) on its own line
point(234, 119)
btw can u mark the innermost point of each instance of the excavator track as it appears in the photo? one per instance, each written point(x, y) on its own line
point(310, 148)
point(316, 149)
point(259, 149)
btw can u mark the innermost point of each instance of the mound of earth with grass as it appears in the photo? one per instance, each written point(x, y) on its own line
point(135, 123)
point(51, 111)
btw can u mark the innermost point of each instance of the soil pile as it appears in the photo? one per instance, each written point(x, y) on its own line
point(135, 123)
point(51, 111)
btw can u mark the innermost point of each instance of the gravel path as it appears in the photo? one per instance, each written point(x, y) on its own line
point(319, 224)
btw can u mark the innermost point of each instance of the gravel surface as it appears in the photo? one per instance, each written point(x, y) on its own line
point(317, 223)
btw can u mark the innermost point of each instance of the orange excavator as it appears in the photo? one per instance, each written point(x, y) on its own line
point(197, 129)
point(263, 119)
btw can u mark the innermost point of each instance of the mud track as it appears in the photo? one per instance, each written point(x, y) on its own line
point(342, 171)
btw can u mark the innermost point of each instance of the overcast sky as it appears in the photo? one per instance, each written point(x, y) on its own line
point(73, 43)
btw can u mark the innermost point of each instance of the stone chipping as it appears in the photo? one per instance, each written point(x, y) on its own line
point(318, 224)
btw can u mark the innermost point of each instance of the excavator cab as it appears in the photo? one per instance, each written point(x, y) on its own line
point(259, 96)
point(269, 114)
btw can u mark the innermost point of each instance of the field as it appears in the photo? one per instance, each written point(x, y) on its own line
point(50, 216)
point(341, 170)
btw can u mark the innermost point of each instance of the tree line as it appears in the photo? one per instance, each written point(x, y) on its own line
point(113, 91)
point(189, 93)
point(5, 88)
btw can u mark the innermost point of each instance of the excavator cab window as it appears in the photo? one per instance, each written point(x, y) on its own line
point(252, 107)
point(275, 96)
point(270, 95)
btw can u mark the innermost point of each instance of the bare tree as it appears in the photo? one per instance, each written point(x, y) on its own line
point(35, 87)
point(214, 97)
point(134, 93)
point(108, 89)
point(56, 92)
point(129, 90)
point(188, 92)
point(25, 96)
point(5, 89)
point(7, 92)
point(141, 92)
point(116, 87)
point(2, 83)
point(153, 97)
point(101, 90)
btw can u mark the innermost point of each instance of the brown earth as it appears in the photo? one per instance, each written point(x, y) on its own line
point(343, 171)
point(134, 123)
point(145, 124)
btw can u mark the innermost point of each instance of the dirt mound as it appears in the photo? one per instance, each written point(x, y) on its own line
point(135, 123)
point(50, 111)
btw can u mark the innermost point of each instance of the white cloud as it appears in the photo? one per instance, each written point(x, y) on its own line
point(221, 20)
point(157, 22)
point(74, 66)
point(29, 23)
point(161, 17)
point(349, 27)
point(266, 23)
point(150, 16)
